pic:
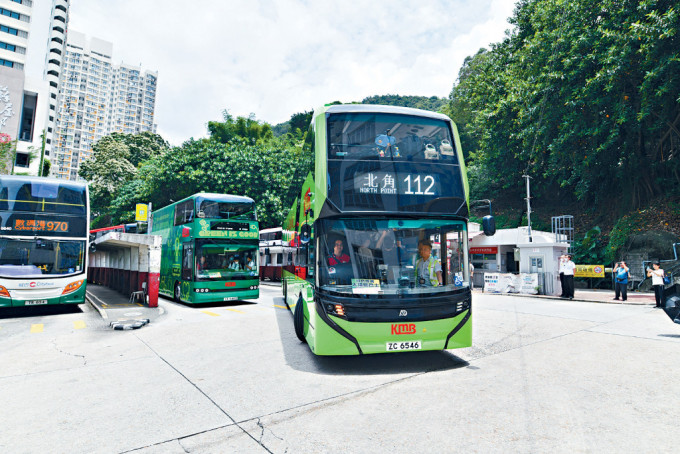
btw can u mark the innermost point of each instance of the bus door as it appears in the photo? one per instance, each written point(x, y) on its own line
point(187, 261)
point(454, 256)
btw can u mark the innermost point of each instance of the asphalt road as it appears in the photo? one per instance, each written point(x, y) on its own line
point(543, 375)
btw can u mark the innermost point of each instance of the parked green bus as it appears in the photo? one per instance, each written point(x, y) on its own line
point(382, 183)
point(210, 248)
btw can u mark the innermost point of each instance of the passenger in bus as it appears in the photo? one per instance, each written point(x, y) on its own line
point(428, 267)
point(337, 257)
point(202, 263)
point(235, 265)
point(250, 263)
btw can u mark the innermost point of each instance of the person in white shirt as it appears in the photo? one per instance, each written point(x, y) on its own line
point(568, 269)
point(472, 272)
point(656, 273)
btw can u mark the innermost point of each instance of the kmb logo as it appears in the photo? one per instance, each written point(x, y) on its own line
point(403, 328)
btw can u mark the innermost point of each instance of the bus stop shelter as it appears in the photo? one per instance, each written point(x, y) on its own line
point(129, 263)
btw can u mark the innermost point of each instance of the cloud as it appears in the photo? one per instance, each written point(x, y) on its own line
point(278, 57)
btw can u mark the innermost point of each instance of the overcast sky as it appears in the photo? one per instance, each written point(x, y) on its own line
point(274, 58)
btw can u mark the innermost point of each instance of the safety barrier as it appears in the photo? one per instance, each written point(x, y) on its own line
point(128, 263)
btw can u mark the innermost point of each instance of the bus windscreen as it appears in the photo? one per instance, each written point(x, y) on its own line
point(40, 257)
point(225, 209)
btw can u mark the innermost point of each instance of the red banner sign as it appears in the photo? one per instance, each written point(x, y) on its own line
point(484, 250)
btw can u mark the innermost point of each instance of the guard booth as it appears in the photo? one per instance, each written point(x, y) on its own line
point(127, 262)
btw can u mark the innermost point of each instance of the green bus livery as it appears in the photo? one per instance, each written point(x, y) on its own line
point(209, 249)
point(44, 226)
point(380, 227)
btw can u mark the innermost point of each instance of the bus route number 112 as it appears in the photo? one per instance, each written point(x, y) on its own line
point(414, 185)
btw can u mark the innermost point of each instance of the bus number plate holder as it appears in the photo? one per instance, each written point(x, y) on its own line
point(404, 345)
point(35, 302)
point(230, 298)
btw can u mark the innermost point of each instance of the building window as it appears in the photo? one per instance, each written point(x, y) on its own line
point(9, 13)
point(10, 47)
point(9, 64)
point(10, 30)
point(23, 160)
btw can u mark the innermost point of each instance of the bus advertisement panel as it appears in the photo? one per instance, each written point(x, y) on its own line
point(209, 249)
point(383, 186)
point(44, 227)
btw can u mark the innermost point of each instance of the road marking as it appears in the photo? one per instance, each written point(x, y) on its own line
point(282, 307)
point(79, 324)
point(37, 328)
point(234, 310)
point(211, 313)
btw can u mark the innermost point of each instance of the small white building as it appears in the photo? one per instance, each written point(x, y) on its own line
point(512, 251)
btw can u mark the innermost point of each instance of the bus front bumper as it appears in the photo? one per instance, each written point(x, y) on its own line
point(26, 299)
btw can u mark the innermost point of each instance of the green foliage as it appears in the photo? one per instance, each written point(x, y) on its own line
point(627, 225)
point(432, 103)
point(113, 164)
point(580, 95)
point(249, 129)
point(261, 171)
point(590, 249)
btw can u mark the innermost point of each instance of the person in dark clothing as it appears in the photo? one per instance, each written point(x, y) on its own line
point(621, 281)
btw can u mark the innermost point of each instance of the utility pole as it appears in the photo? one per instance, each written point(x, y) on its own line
point(528, 199)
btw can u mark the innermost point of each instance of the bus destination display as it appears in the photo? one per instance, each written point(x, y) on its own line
point(386, 183)
point(39, 225)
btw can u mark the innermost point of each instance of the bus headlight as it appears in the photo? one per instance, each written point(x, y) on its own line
point(4, 292)
point(336, 309)
point(73, 286)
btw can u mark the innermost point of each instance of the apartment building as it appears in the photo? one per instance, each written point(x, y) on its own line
point(96, 98)
point(28, 91)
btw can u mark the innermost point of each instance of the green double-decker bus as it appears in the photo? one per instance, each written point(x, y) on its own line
point(210, 248)
point(384, 186)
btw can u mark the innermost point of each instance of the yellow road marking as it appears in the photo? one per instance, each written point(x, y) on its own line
point(211, 313)
point(37, 328)
point(79, 324)
point(282, 307)
point(235, 310)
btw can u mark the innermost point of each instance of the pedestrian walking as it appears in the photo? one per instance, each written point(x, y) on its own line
point(621, 281)
point(656, 273)
point(569, 268)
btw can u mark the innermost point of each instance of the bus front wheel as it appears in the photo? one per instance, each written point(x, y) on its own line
point(299, 320)
point(178, 292)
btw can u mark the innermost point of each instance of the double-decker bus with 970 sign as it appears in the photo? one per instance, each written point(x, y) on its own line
point(44, 225)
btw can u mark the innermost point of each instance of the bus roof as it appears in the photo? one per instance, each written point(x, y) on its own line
point(79, 185)
point(366, 108)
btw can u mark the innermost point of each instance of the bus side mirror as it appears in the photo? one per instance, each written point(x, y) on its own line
point(489, 225)
point(305, 233)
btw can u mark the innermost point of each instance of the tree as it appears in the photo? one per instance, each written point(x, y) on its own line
point(261, 171)
point(579, 95)
point(114, 163)
point(248, 128)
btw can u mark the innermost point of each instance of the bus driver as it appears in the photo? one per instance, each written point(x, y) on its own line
point(337, 257)
point(428, 268)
